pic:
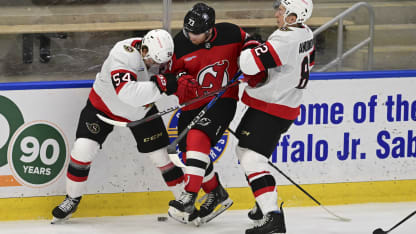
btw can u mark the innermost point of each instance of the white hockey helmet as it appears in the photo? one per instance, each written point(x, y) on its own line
point(159, 45)
point(302, 8)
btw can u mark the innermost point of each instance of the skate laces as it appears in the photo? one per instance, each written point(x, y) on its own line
point(185, 197)
point(263, 221)
point(209, 199)
point(67, 204)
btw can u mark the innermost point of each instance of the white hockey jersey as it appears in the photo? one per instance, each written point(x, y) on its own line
point(288, 56)
point(122, 88)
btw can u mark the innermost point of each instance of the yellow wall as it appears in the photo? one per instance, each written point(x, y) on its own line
point(119, 204)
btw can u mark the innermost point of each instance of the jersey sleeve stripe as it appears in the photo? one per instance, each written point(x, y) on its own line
point(274, 54)
point(312, 57)
point(258, 61)
point(267, 58)
point(282, 111)
point(99, 104)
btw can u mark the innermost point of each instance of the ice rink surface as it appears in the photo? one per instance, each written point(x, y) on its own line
point(365, 218)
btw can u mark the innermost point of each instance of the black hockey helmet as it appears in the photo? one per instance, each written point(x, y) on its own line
point(199, 19)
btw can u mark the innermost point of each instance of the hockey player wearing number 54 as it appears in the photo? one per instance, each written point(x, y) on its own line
point(125, 89)
point(277, 72)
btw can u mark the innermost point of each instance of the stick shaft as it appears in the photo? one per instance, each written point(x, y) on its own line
point(170, 109)
point(172, 146)
point(299, 187)
point(407, 217)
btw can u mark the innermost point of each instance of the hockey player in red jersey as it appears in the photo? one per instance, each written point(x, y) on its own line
point(277, 73)
point(206, 57)
point(125, 89)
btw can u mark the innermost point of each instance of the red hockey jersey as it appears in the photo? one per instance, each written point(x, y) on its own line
point(212, 63)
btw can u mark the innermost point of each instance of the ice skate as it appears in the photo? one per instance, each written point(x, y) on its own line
point(272, 222)
point(65, 209)
point(255, 214)
point(216, 202)
point(183, 210)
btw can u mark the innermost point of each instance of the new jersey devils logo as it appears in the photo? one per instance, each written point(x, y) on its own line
point(213, 77)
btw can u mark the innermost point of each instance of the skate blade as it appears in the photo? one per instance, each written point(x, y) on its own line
point(58, 220)
point(197, 221)
point(178, 215)
point(223, 206)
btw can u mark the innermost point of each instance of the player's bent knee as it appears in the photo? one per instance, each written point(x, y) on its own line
point(159, 157)
point(84, 150)
point(250, 160)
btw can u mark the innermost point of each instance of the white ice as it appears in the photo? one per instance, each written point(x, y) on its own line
point(365, 218)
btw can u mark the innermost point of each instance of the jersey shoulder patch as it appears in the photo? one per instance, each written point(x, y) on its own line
point(128, 48)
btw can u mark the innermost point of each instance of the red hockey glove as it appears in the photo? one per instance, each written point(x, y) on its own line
point(165, 82)
point(256, 80)
point(252, 41)
point(187, 88)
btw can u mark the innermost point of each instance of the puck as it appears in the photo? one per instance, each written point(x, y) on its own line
point(162, 218)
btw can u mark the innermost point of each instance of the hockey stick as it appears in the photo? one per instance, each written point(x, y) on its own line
point(172, 146)
point(310, 196)
point(166, 111)
point(380, 231)
point(299, 187)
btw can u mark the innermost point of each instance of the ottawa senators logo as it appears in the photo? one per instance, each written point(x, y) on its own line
point(213, 77)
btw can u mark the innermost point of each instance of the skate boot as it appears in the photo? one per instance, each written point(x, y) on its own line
point(65, 209)
point(272, 222)
point(255, 213)
point(183, 210)
point(216, 202)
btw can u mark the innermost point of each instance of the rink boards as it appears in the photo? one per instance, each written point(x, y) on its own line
point(354, 142)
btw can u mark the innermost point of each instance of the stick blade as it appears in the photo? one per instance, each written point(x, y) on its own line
point(379, 231)
point(112, 122)
point(174, 157)
point(176, 160)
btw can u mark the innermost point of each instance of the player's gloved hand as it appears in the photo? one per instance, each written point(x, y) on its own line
point(256, 80)
point(165, 82)
point(252, 41)
point(187, 87)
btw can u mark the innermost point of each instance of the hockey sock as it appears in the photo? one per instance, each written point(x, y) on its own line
point(172, 175)
point(263, 186)
point(262, 183)
point(77, 176)
point(82, 154)
point(197, 159)
point(210, 181)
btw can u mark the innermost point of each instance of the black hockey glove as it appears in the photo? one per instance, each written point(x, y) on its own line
point(166, 83)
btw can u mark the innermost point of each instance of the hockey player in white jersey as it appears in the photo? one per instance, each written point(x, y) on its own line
point(125, 90)
point(277, 73)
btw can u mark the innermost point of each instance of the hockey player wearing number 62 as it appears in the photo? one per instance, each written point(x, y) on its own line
point(125, 89)
point(277, 72)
